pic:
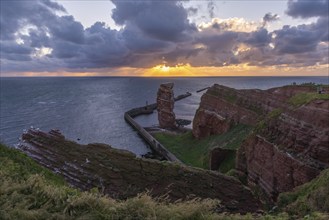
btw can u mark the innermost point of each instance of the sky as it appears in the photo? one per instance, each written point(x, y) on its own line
point(164, 38)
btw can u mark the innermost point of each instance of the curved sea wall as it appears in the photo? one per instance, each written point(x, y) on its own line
point(155, 145)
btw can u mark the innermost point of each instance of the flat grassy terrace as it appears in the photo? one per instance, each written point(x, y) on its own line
point(196, 152)
point(304, 98)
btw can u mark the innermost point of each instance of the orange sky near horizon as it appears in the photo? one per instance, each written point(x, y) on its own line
point(186, 70)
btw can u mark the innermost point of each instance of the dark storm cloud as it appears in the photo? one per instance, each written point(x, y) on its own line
point(306, 9)
point(258, 38)
point(36, 25)
point(150, 31)
point(219, 42)
point(302, 38)
point(14, 51)
point(16, 14)
point(269, 17)
point(150, 28)
point(102, 47)
point(296, 46)
point(211, 8)
point(163, 20)
point(137, 42)
point(67, 29)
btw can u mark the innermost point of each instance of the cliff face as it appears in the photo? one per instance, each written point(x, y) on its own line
point(272, 169)
point(290, 144)
point(121, 174)
point(165, 106)
point(221, 107)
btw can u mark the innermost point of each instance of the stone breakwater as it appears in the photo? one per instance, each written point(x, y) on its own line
point(156, 146)
point(120, 174)
point(290, 144)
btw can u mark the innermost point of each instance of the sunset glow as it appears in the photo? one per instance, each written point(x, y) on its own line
point(162, 68)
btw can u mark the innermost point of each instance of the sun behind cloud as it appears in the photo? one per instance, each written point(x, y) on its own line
point(162, 70)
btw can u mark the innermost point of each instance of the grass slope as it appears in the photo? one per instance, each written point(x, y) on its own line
point(310, 197)
point(195, 152)
point(304, 98)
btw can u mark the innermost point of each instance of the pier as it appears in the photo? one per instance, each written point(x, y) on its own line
point(155, 145)
point(200, 90)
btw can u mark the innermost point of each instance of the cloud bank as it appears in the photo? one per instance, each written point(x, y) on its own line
point(37, 37)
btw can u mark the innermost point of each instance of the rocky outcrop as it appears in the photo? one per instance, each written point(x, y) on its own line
point(121, 174)
point(290, 149)
point(272, 169)
point(290, 144)
point(221, 107)
point(165, 106)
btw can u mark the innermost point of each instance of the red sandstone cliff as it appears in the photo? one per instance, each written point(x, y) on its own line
point(165, 106)
point(290, 144)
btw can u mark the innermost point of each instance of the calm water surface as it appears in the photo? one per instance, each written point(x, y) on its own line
point(92, 108)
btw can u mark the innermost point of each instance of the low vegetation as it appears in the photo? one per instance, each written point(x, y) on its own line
point(304, 98)
point(196, 152)
point(308, 198)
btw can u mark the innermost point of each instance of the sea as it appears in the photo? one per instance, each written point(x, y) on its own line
point(90, 109)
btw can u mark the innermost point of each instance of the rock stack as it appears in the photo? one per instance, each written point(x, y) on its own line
point(165, 103)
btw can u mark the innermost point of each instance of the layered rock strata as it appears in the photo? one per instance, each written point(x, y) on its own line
point(290, 144)
point(165, 106)
point(221, 107)
point(121, 174)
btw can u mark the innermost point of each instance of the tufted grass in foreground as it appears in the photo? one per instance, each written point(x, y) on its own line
point(307, 198)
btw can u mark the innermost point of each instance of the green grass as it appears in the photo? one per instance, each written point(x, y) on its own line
point(228, 95)
point(19, 166)
point(310, 197)
point(304, 98)
point(195, 152)
point(275, 113)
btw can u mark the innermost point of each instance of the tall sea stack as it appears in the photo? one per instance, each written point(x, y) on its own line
point(165, 103)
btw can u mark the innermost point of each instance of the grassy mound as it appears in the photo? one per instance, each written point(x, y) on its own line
point(304, 98)
point(310, 197)
point(195, 152)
